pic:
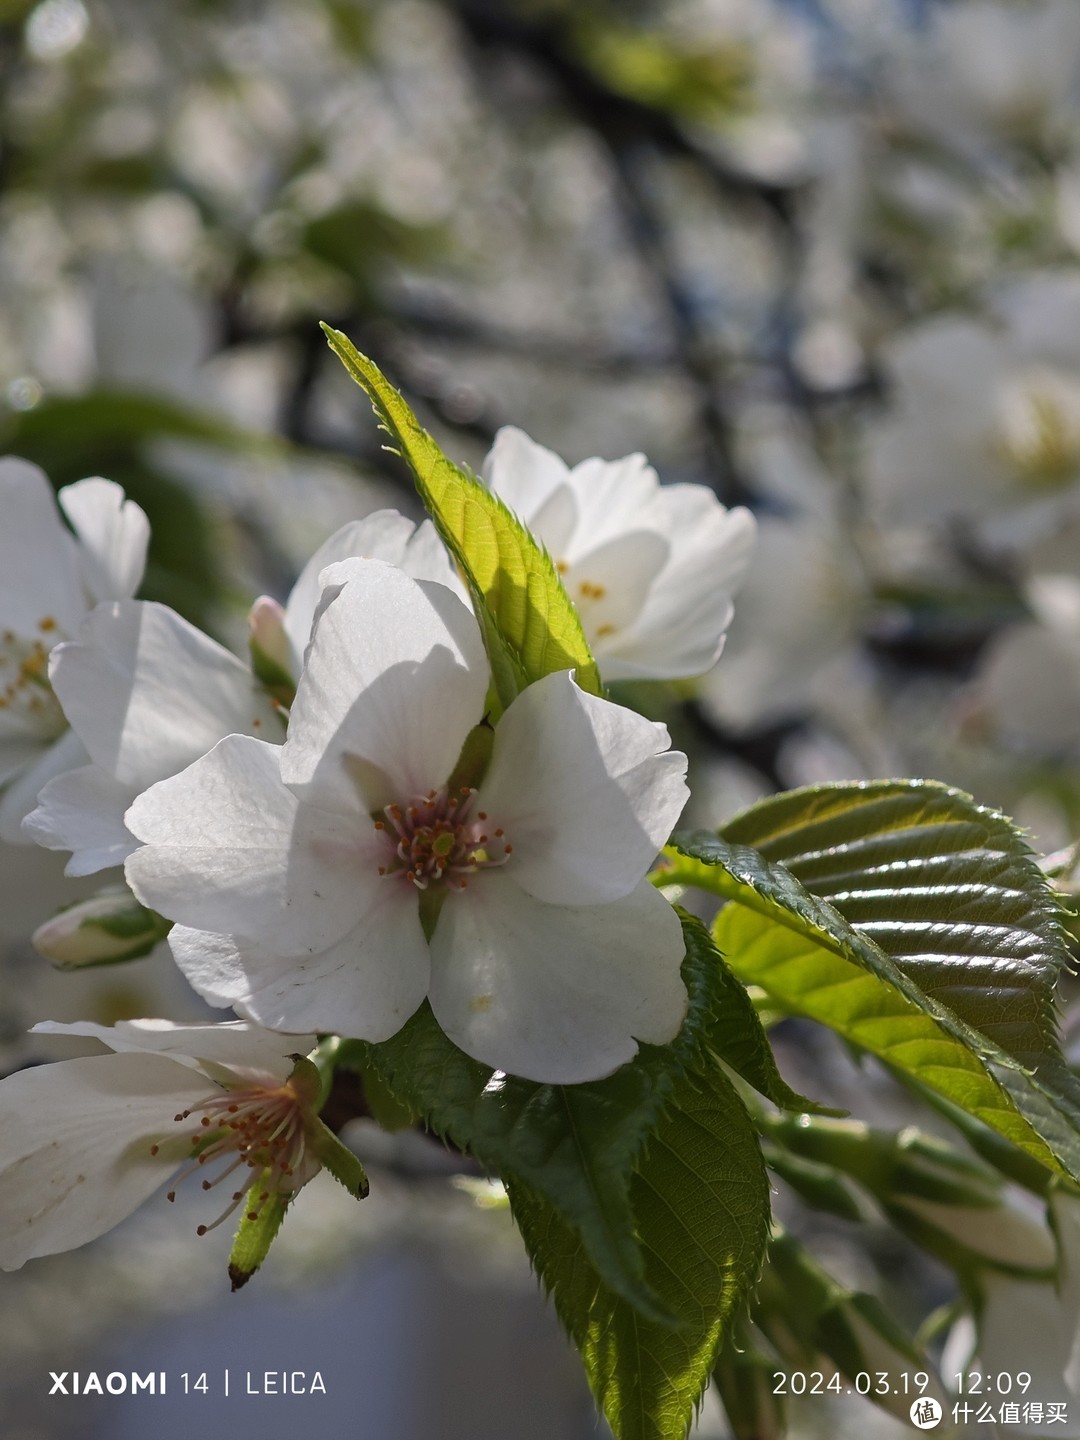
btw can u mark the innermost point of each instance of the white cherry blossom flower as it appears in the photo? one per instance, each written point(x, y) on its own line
point(1025, 695)
point(147, 693)
point(333, 883)
point(986, 424)
point(84, 1142)
point(49, 578)
point(651, 568)
point(791, 643)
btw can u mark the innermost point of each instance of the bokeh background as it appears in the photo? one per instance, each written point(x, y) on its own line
point(820, 255)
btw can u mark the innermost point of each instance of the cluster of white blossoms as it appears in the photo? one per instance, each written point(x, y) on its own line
point(50, 578)
point(335, 828)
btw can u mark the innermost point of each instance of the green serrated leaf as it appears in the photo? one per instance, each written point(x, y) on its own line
point(738, 1037)
point(948, 889)
point(812, 962)
point(574, 1146)
point(530, 626)
point(1013, 1163)
point(701, 1204)
point(388, 1110)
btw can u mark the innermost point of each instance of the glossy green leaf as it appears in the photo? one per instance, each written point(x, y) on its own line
point(948, 889)
point(529, 623)
point(700, 1200)
point(812, 962)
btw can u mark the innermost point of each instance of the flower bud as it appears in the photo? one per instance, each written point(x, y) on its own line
point(999, 1234)
point(807, 1315)
point(110, 927)
point(271, 653)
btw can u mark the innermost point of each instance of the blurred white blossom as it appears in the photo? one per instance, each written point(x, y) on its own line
point(50, 578)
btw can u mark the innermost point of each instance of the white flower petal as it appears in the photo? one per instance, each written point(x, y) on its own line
point(680, 627)
point(610, 584)
point(1029, 682)
point(427, 558)
point(75, 1147)
point(611, 495)
point(555, 522)
point(227, 847)
point(522, 473)
point(39, 575)
point(381, 536)
point(554, 993)
point(935, 454)
point(395, 678)
point(113, 535)
point(586, 791)
point(83, 811)
point(149, 693)
point(20, 797)
point(366, 986)
point(234, 1045)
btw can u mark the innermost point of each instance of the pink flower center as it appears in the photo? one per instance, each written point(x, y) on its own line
point(259, 1127)
point(439, 837)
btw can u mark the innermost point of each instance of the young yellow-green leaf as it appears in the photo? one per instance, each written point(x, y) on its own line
point(812, 962)
point(529, 623)
point(701, 1204)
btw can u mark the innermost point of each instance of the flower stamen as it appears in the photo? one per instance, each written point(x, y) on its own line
point(258, 1126)
point(436, 838)
point(24, 683)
